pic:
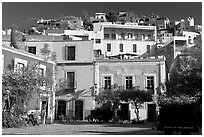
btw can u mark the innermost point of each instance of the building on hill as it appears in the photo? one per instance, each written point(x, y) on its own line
point(115, 39)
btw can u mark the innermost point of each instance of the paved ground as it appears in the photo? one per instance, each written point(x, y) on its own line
point(85, 129)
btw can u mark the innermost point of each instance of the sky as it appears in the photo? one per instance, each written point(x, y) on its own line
point(23, 14)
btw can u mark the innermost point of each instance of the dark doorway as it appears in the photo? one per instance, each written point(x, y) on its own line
point(61, 108)
point(125, 111)
point(151, 112)
point(79, 109)
point(45, 106)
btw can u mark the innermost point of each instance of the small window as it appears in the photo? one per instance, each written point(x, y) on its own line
point(134, 47)
point(32, 50)
point(98, 40)
point(143, 36)
point(41, 73)
point(107, 82)
point(148, 48)
point(149, 36)
point(69, 52)
point(128, 82)
point(150, 82)
point(113, 36)
point(70, 80)
point(130, 35)
point(121, 47)
point(106, 36)
point(136, 36)
point(122, 36)
point(108, 47)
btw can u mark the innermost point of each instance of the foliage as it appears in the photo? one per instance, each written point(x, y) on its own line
point(137, 97)
point(11, 121)
point(112, 16)
point(186, 73)
point(18, 87)
point(181, 100)
point(108, 98)
point(87, 23)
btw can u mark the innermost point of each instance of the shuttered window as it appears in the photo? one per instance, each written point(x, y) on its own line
point(70, 80)
point(69, 53)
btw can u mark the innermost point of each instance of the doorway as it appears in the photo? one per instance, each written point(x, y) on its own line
point(79, 109)
point(151, 112)
point(125, 111)
point(61, 108)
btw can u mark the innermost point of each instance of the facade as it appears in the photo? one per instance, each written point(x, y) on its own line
point(114, 39)
point(74, 60)
point(75, 67)
point(145, 74)
point(13, 58)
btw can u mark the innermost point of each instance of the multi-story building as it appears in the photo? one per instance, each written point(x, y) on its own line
point(13, 58)
point(115, 39)
point(74, 60)
point(145, 74)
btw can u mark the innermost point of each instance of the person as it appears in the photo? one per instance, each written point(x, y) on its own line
point(32, 119)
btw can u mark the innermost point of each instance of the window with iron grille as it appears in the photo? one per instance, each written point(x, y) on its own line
point(69, 52)
point(134, 47)
point(121, 47)
point(128, 82)
point(107, 82)
point(20, 67)
point(70, 80)
point(108, 47)
point(150, 82)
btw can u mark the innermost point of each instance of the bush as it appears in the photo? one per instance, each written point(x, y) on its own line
point(11, 121)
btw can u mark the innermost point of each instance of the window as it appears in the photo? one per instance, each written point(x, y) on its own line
point(69, 52)
point(150, 82)
point(136, 36)
point(70, 80)
point(107, 82)
point(148, 48)
point(149, 36)
point(108, 47)
point(98, 40)
point(130, 36)
point(113, 36)
point(143, 36)
point(41, 73)
point(121, 47)
point(32, 50)
point(19, 65)
point(106, 36)
point(134, 47)
point(128, 82)
point(122, 36)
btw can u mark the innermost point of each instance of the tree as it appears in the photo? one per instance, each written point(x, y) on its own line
point(186, 73)
point(17, 89)
point(87, 23)
point(109, 98)
point(137, 97)
point(112, 16)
